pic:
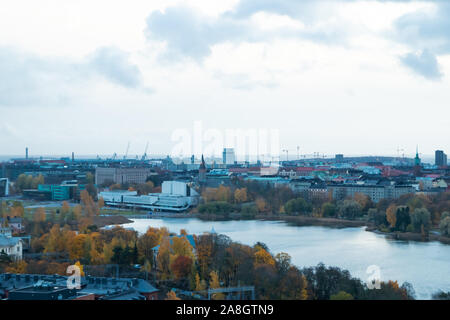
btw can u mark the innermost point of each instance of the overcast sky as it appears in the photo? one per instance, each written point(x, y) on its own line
point(352, 77)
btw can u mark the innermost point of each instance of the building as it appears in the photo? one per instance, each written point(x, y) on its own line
point(374, 192)
point(4, 187)
point(176, 196)
point(339, 158)
point(57, 192)
point(11, 246)
point(202, 172)
point(228, 156)
point(14, 223)
point(43, 290)
point(440, 158)
point(54, 287)
point(417, 165)
point(122, 175)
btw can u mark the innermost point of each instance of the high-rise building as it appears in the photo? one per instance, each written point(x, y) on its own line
point(228, 156)
point(440, 158)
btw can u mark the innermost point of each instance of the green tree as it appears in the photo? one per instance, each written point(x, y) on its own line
point(329, 210)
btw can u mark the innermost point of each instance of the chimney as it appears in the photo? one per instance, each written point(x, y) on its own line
point(26, 153)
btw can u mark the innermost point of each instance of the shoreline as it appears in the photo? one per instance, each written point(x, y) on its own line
point(299, 221)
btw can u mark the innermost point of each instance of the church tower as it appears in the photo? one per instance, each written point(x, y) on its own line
point(417, 164)
point(202, 172)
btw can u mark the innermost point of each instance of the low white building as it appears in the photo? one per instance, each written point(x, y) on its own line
point(176, 196)
point(12, 246)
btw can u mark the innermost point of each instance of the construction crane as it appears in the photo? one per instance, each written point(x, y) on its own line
point(126, 153)
point(145, 152)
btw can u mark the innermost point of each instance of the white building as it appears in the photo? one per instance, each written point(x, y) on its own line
point(176, 196)
point(12, 246)
point(228, 156)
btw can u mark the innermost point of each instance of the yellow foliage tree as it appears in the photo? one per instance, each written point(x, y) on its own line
point(391, 215)
point(17, 267)
point(172, 296)
point(214, 283)
point(264, 257)
point(240, 195)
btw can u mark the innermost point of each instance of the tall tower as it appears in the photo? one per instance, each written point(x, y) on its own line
point(202, 172)
point(417, 164)
point(26, 153)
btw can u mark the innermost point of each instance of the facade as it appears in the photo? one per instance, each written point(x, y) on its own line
point(440, 158)
point(4, 187)
point(176, 196)
point(15, 224)
point(59, 192)
point(122, 175)
point(228, 156)
point(12, 246)
point(374, 192)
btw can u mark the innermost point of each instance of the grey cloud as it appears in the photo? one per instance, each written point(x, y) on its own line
point(422, 29)
point(113, 64)
point(188, 34)
point(423, 63)
point(429, 30)
point(27, 79)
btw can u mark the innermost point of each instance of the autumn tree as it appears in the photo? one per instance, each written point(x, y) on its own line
point(240, 195)
point(181, 267)
point(172, 296)
point(90, 209)
point(39, 215)
point(100, 202)
point(261, 205)
point(264, 257)
point(163, 258)
point(391, 215)
point(214, 283)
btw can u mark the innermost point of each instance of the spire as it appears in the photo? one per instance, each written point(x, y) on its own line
point(202, 165)
point(417, 158)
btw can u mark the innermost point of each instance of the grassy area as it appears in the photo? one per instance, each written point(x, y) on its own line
point(113, 211)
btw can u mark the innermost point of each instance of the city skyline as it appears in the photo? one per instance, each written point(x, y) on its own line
point(364, 77)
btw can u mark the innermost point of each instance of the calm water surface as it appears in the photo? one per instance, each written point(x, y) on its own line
point(425, 265)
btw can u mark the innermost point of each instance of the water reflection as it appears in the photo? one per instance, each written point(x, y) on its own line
point(425, 265)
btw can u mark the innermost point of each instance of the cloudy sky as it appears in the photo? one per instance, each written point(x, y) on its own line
point(344, 76)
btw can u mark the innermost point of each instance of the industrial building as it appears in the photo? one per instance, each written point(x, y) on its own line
point(122, 175)
point(176, 196)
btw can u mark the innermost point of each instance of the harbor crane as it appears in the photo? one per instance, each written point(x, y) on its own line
point(126, 153)
point(144, 156)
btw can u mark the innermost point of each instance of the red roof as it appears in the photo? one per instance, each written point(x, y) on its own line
point(304, 169)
